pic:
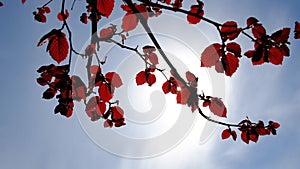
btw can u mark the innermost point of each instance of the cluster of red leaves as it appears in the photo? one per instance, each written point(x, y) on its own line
point(96, 106)
point(150, 55)
point(63, 16)
point(252, 131)
point(58, 45)
point(225, 59)
point(216, 105)
point(267, 48)
point(58, 80)
point(40, 16)
point(198, 10)
point(146, 76)
point(130, 20)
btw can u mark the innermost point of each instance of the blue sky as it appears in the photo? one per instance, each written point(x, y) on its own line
point(32, 137)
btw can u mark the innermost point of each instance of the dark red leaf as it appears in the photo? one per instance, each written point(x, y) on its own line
point(141, 78)
point(297, 30)
point(211, 55)
point(229, 27)
point(244, 137)
point(166, 87)
point(40, 17)
point(58, 47)
point(84, 18)
point(258, 31)
point(1, 4)
point(252, 21)
point(231, 64)
point(129, 22)
point(148, 49)
point(117, 113)
point(49, 93)
point(196, 9)
point(114, 78)
point(47, 9)
point(226, 134)
point(234, 48)
point(151, 79)
point(105, 7)
point(285, 50)
point(275, 56)
point(105, 92)
point(217, 107)
point(281, 36)
point(23, 1)
point(47, 37)
point(233, 134)
point(274, 124)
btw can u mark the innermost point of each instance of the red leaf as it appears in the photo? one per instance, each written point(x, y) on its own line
point(40, 17)
point(196, 9)
point(108, 123)
point(285, 50)
point(105, 7)
point(275, 56)
point(244, 137)
point(281, 36)
point(141, 78)
point(151, 79)
point(1, 4)
point(183, 96)
point(105, 93)
point(79, 88)
point(107, 33)
point(258, 31)
point(117, 113)
point(114, 79)
point(274, 124)
point(253, 137)
point(47, 9)
point(252, 21)
point(23, 1)
point(234, 48)
point(166, 87)
point(297, 30)
point(129, 22)
point(226, 134)
point(217, 107)
point(210, 55)
point(153, 58)
point(58, 47)
point(47, 37)
point(231, 64)
point(233, 134)
point(229, 27)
